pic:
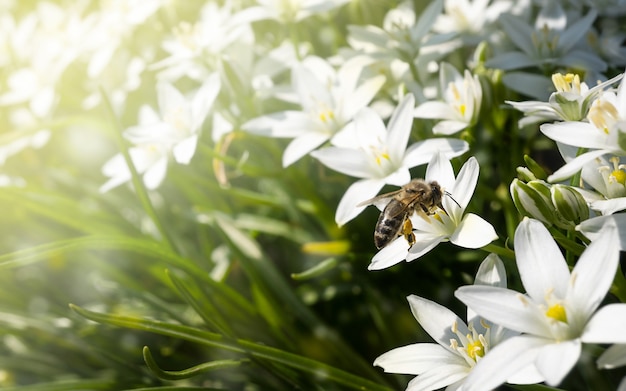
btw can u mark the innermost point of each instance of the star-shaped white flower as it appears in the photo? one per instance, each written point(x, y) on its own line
point(558, 313)
point(462, 96)
point(453, 224)
point(173, 130)
point(329, 101)
point(602, 135)
point(459, 346)
point(379, 155)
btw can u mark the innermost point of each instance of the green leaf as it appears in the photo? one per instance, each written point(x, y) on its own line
point(206, 338)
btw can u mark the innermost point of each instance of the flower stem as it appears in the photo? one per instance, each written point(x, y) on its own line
point(138, 184)
point(497, 249)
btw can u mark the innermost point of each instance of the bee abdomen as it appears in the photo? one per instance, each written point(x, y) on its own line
point(386, 230)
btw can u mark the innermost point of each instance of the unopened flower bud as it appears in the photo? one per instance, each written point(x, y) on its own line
point(533, 199)
point(569, 203)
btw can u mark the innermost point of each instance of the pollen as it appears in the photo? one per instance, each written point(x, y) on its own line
point(326, 116)
point(462, 109)
point(380, 157)
point(603, 115)
point(557, 312)
point(475, 349)
point(566, 83)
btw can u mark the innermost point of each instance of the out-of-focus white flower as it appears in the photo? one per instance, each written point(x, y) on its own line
point(405, 37)
point(459, 346)
point(196, 50)
point(570, 102)
point(608, 179)
point(380, 156)
point(602, 135)
point(554, 41)
point(453, 224)
point(174, 130)
point(462, 97)
point(289, 11)
point(329, 101)
point(557, 314)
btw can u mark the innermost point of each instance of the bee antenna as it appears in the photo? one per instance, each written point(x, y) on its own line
point(452, 198)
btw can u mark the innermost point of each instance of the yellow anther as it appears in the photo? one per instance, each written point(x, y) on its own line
point(557, 312)
point(475, 349)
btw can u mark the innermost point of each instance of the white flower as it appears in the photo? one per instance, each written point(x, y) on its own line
point(570, 102)
point(613, 357)
point(552, 42)
point(556, 315)
point(608, 178)
point(329, 102)
point(462, 98)
point(602, 134)
point(379, 155)
point(289, 11)
point(174, 130)
point(454, 225)
point(594, 228)
point(459, 346)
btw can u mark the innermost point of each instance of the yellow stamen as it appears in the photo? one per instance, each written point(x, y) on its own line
point(475, 349)
point(557, 312)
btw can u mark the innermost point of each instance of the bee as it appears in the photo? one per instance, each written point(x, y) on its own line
point(416, 196)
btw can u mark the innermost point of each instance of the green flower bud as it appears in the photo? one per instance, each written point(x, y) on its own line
point(533, 199)
point(535, 168)
point(570, 204)
point(525, 174)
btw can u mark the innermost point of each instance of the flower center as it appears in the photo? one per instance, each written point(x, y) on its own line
point(557, 312)
point(566, 83)
point(603, 115)
point(471, 346)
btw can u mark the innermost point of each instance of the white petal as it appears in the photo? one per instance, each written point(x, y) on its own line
point(607, 325)
point(505, 307)
point(613, 357)
point(422, 152)
point(473, 232)
point(575, 165)
point(358, 192)
point(594, 227)
point(362, 96)
point(579, 134)
point(302, 145)
point(394, 253)
point(170, 98)
point(424, 242)
point(594, 272)
point(369, 129)
point(155, 174)
point(555, 360)
point(503, 362)
point(449, 127)
point(541, 265)
point(399, 127)
point(440, 169)
point(204, 98)
point(442, 376)
point(491, 272)
point(607, 207)
point(347, 161)
point(465, 182)
point(416, 359)
point(434, 110)
point(281, 124)
point(184, 150)
point(436, 320)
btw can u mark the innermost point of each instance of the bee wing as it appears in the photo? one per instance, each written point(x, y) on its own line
point(380, 201)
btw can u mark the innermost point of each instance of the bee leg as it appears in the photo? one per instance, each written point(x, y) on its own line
point(407, 231)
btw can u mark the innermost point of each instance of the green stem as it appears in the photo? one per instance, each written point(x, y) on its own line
point(497, 249)
point(241, 346)
point(140, 189)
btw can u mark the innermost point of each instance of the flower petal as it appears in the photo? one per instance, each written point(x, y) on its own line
point(607, 325)
point(424, 242)
point(575, 165)
point(473, 232)
point(394, 253)
point(422, 152)
point(594, 227)
point(358, 192)
point(491, 272)
point(555, 360)
point(503, 362)
point(416, 359)
point(302, 145)
point(434, 110)
point(440, 377)
point(347, 161)
point(436, 320)
point(594, 272)
point(281, 124)
point(613, 357)
point(579, 134)
point(400, 129)
point(541, 265)
point(465, 182)
point(449, 127)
